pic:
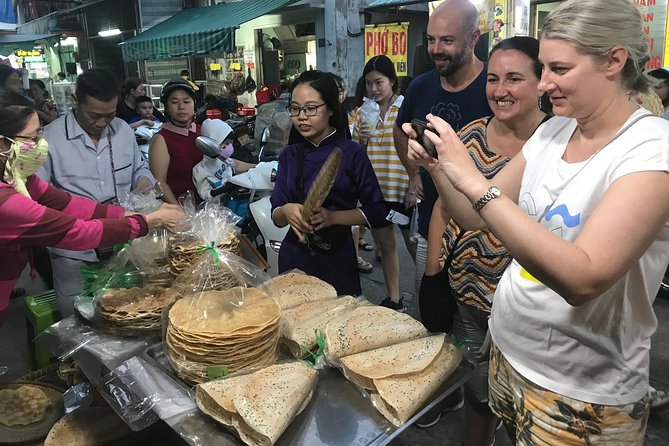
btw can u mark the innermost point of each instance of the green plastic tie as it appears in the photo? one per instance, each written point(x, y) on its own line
point(461, 343)
point(320, 349)
point(212, 249)
point(217, 371)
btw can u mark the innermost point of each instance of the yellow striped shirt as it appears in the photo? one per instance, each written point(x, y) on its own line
point(389, 170)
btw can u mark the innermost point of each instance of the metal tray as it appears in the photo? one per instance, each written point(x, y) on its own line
point(339, 413)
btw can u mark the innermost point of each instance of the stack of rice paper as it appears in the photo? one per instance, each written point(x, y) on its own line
point(390, 355)
point(136, 310)
point(185, 248)
point(259, 406)
point(227, 331)
point(149, 255)
point(126, 301)
point(402, 377)
point(210, 272)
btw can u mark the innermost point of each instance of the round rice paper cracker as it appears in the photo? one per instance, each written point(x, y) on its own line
point(237, 310)
point(398, 359)
point(90, 427)
point(22, 406)
point(368, 327)
point(398, 398)
point(292, 289)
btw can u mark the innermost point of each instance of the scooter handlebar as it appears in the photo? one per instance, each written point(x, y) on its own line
point(225, 189)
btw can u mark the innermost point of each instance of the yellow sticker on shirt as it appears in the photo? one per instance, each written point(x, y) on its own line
point(526, 275)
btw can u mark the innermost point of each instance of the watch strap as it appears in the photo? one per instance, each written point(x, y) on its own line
point(492, 193)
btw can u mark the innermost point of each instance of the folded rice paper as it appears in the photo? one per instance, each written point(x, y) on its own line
point(368, 327)
point(399, 359)
point(401, 378)
point(300, 324)
point(259, 406)
point(293, 289)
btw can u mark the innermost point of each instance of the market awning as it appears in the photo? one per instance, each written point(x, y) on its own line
point(193, 31)
point(385, 3)
point(12, 42)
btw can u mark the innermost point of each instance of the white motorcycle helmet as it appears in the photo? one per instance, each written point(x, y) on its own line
point(217, 130)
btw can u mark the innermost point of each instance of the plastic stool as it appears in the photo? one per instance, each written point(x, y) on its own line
point(41, 312)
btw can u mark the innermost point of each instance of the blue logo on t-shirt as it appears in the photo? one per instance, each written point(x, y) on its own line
point(449, 112)
point(569, 220)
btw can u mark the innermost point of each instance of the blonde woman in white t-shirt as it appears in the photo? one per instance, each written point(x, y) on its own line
point(583, 210)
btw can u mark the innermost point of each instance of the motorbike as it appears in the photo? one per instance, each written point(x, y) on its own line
point(248, 194)
point(143, 135)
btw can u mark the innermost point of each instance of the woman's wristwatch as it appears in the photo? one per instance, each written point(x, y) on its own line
point(492, 193)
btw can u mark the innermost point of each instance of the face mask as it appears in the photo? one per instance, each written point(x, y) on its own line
point(226, 150)
point(24, 160)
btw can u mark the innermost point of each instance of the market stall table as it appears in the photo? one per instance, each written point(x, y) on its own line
point(136, 379)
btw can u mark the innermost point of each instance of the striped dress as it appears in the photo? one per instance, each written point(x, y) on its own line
point(479, 259)
point(54, 218)
point(381, 151)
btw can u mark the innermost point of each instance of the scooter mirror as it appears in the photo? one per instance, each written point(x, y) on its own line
point(264, 137)
point(207, 146)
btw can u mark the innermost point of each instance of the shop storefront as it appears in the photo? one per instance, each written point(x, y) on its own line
point(498, 19)
point(225, 45)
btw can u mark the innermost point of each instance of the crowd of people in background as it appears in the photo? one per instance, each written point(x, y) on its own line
point(537, 188)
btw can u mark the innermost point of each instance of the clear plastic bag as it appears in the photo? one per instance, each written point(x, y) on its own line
point(224, 322)
point(140, 391)
point(143, 200)
point(129, 293)
point(211, 223)
point(92, 350)
point(149, 255)
point(369, 113)
point(308, 304)
point(401, 378)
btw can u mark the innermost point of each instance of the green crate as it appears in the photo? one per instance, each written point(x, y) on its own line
point(41, 312)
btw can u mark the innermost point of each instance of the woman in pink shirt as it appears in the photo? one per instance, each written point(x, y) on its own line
point(32, 213)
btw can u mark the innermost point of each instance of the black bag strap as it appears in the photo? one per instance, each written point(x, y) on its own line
point(449, 258)
point(299, 178)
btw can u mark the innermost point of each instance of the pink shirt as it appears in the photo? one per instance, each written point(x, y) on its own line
point(54, 218)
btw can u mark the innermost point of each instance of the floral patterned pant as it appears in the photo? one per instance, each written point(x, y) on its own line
point(542, 417)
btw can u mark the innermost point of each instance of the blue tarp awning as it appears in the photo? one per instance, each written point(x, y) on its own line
point(197, 31)
point(384, 3)
point(12, 42)
point(7, 13)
